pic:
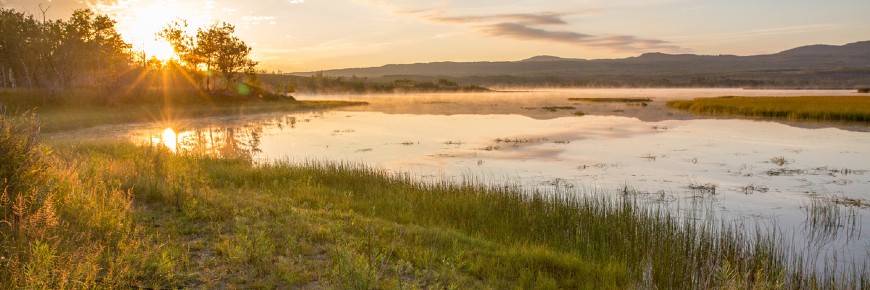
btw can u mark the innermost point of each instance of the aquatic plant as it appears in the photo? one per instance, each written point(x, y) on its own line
point(612, 100)
point(557, 108)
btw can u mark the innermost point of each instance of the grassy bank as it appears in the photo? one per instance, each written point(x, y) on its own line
point(77, 109)
point(119, 215)
point(852, 109)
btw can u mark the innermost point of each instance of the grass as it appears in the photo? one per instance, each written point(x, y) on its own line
point(822, 108)
point(85, 109)
point(204, 222)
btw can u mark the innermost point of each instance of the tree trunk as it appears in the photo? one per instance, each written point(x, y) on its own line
point(27, 73)
point(2, 77)
point(12, 78)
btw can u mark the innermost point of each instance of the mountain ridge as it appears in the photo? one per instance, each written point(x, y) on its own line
point(817, 65)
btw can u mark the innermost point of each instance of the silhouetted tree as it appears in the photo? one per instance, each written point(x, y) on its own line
point(214, 50)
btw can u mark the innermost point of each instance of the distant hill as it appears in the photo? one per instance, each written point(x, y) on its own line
point(814, 66)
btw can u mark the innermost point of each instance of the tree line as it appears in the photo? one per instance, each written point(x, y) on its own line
point(319, 83)
point(87, 51)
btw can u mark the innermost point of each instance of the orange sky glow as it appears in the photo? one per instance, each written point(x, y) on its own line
point(309, 35)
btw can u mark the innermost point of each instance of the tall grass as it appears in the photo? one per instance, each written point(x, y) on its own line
point(351, 226)
point(61, 228)
point(853, 109)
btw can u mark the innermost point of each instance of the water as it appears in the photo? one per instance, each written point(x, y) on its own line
point(742, 169)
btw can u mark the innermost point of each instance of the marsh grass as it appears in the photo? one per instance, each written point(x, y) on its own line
point(557, 108)
point(229, 223)
point(827, 220)
point(612, 100)
point(819, 108)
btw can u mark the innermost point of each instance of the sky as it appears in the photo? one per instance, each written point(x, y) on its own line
point(311, 35)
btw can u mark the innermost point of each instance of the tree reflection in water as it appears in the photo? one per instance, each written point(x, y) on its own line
point(227, 142)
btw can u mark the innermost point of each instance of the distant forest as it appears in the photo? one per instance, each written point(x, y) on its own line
point(318, 83)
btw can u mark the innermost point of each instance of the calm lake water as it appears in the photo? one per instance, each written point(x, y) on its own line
point(742, 169)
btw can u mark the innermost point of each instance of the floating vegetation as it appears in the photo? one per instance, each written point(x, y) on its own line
point(598, 166)
point(851, 201)
point(841, 181)
point(780, 160)
point(339, 132)
point(364, 150)
point(651, 157)
point(706, 188)
point(637, 104)
point(753, 188)
point(408, 143)
point(618, 111)
point(841, 171)
point(557, 108)
point(561, 142)
point(451, 142)
point(612, 100)
point(579, 114)
point(491, 148)
point(782, 171)
point(659, 128)
point(515, 142)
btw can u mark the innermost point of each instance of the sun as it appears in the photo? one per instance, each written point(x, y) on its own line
point(139, 21)
point(159, 49)
point(143, 27)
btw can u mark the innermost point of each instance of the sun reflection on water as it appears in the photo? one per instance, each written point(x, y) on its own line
point(169, 139)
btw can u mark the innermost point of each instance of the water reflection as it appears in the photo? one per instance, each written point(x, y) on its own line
point(241, 141)
point(558, 103)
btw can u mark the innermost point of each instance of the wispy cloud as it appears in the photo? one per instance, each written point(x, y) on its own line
point(614, 42)
point(526, 18)
point(528, 26)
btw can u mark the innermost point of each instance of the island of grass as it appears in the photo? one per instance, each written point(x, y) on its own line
point(810, 108)
point(611, 100)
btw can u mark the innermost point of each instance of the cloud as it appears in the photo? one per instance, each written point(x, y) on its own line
point(527, 26)
point(526, 18)
point(521, 31)
point(296, 1)
point(615, 42)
